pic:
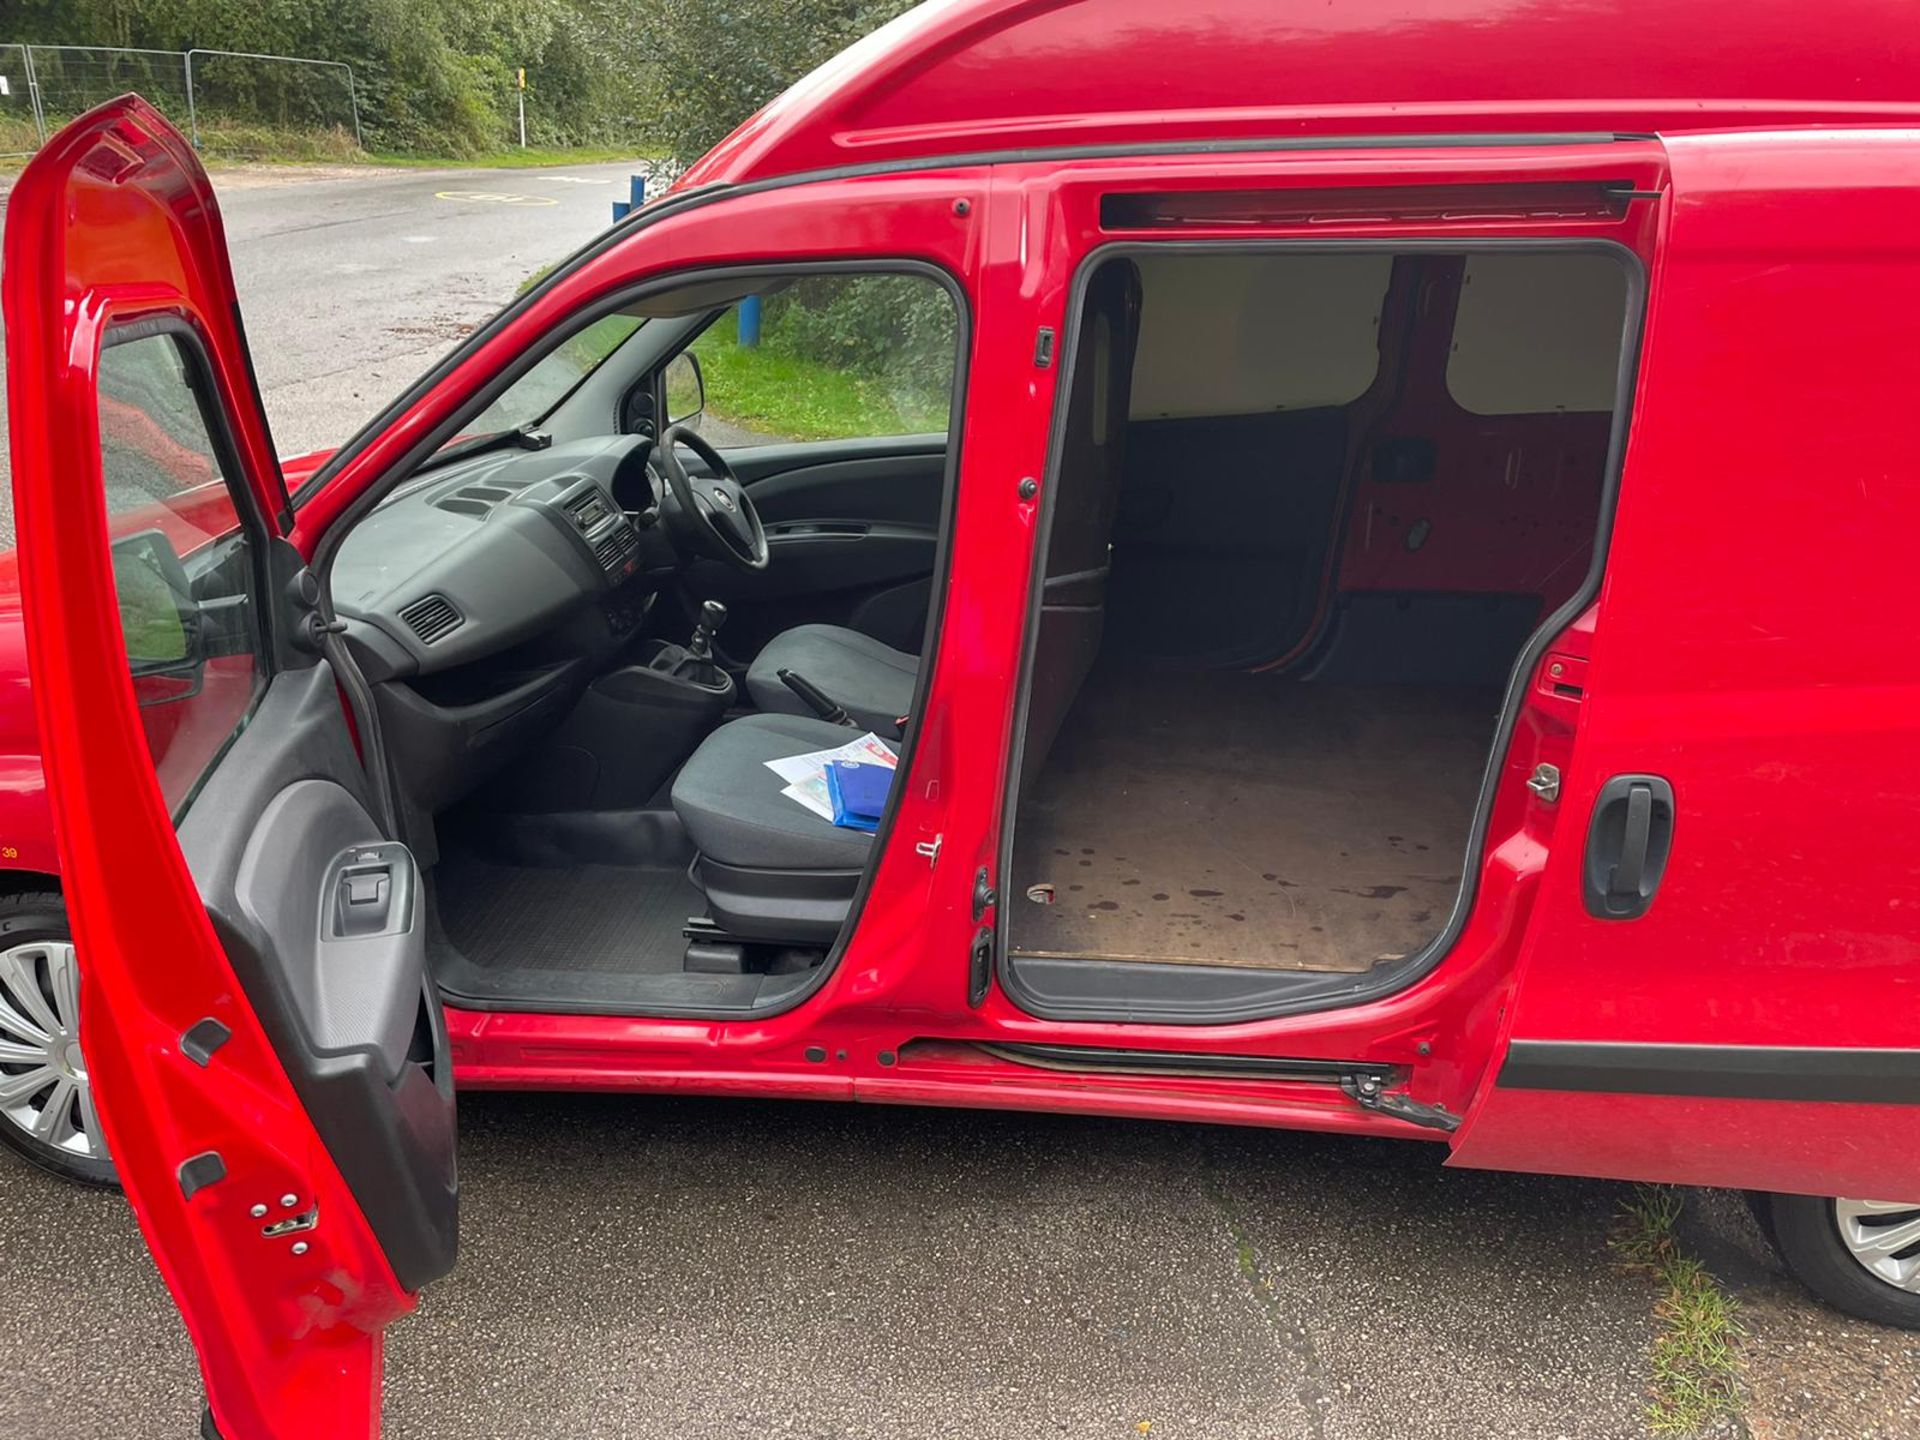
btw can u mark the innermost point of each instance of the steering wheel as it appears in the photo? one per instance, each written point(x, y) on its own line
point(712, 514)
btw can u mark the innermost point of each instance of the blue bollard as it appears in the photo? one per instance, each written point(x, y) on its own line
point(750, 322)
point(636, 197)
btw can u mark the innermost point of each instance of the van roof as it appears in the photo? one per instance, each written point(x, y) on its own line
point(972, 78)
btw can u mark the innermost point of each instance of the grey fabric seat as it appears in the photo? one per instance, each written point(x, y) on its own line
point(872, 681)
point(732, 808)
point(771, 869)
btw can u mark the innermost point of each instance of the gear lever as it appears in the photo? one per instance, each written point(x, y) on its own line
point(712, 616)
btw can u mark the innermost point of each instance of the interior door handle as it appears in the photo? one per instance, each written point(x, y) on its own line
point(1628, 841)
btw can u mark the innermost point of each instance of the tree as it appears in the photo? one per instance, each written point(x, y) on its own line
point(721, 60)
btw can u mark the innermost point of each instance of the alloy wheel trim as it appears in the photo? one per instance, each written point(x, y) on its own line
point(45, 1092)
point(1883, 1236)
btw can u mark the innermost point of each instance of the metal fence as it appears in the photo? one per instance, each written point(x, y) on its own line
point(228, 101)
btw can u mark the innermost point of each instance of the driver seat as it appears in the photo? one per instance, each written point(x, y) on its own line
point(872, 682)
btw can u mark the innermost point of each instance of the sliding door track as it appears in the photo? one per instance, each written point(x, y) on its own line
point(1366, 1083)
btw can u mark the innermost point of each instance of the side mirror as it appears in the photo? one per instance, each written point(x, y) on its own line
point(162, 622)
point(686, 389)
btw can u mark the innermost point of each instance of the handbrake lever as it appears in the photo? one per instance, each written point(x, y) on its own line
point(815, 700)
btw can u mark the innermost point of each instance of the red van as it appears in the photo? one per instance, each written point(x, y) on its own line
point(1372, 569)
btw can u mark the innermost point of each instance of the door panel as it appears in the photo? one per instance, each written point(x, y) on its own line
point(321, 916)
point(1755, 1023)
point(853, 529)
point(287, 1154)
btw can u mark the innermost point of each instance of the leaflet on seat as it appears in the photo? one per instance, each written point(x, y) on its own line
point(806, 775)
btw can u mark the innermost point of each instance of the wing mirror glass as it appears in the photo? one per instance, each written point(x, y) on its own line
point(164, 628)
point(686, 390)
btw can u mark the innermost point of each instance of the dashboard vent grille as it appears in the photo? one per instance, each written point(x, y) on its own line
point(479, 499)
point(432, 617)
point(615, 546)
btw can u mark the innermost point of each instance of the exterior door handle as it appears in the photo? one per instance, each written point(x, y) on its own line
point(1628, 841)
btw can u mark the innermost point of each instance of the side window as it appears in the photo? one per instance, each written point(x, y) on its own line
point(183, 566)
point(1537, 333)
point(1223, 334)
point(829, 357)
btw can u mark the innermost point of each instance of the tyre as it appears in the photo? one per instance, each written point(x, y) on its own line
point(1860, 1256)
point(46, 1102)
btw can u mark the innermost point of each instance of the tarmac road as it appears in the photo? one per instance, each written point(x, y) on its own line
point(695, 1268)
point(355, 280)
point(704, 1268)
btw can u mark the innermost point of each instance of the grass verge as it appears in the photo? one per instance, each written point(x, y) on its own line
point(1696, 1361)
point(765, 390)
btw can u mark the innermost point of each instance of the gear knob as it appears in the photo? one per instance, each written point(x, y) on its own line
point(712, 616)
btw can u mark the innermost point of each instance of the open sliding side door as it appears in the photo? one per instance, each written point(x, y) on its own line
point(267, 1053)
point(1721, 984)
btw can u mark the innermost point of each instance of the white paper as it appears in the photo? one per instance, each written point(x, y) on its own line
point(813, 796)
point(806, 775)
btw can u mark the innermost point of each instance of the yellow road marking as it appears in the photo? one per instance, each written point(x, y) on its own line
point(493, 197)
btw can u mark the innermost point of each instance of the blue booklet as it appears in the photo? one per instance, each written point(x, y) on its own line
point(858, 793)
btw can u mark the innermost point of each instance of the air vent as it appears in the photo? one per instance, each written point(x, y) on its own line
point(432, 617)
point(479, 499)
point(615, 547)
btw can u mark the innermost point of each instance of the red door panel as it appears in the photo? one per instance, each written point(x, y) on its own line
point(140, 453)
point(1759, 1025)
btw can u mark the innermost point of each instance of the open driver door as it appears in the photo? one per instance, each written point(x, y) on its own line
point(264, 1044)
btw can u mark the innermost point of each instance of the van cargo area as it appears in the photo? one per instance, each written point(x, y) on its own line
point(1314, 827)
point(1309, 509)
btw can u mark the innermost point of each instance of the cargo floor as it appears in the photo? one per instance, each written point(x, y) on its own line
point(1232, 819)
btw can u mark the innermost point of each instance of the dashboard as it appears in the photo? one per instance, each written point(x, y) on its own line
point(483, 555)
point(482, 598)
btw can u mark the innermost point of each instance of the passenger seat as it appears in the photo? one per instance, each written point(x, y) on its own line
point(771, 869)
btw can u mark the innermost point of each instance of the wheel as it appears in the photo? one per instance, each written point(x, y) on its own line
point(1860, 1256)
point(46, 1104)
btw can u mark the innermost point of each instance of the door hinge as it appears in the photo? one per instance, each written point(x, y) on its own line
point(1545, 782)
point(929, 850)
point(1371, 1094)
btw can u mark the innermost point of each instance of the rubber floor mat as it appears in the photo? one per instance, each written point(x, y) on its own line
point(602, 919)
